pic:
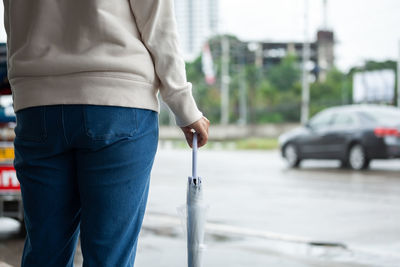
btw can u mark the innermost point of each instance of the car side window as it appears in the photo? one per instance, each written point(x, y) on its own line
point(321, 120)
point(343, 120)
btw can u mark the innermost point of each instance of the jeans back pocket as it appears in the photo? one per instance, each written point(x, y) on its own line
point(105, 122)
point(31, 124)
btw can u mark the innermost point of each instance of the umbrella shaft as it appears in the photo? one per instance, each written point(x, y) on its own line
point(194, 153)
point(194, 257)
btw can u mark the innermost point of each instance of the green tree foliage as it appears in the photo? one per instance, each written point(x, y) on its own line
point(285, 75)
point(279, 92)
point(331, 92)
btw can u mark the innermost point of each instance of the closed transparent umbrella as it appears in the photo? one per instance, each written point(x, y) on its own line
point(195, 211)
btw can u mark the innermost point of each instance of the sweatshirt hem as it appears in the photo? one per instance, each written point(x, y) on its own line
point(92, 89)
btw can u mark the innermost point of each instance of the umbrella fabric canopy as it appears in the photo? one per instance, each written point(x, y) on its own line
point(195, 210)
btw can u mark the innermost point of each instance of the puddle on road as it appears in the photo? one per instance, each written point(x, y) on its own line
point(222, 238)
point(172, 232)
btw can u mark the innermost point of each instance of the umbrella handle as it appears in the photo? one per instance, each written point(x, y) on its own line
point(194, 156)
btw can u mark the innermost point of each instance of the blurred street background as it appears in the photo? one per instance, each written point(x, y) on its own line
point(263, 72)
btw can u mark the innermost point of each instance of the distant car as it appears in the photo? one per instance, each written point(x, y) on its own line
point(353, 134)
point(10, 191)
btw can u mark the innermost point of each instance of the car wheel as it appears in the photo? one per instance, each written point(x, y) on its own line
point(358, 158)
point(291, 155)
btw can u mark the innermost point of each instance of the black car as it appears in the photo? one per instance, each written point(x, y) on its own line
point(353, 134)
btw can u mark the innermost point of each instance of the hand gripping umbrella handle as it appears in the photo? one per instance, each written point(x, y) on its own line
point(194, 156)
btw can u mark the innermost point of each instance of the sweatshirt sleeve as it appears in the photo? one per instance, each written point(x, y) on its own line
point(156, 22)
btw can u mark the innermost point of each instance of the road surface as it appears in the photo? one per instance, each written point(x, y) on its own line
point(262, 213)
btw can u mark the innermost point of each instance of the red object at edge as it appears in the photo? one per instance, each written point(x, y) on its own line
point(8, 179)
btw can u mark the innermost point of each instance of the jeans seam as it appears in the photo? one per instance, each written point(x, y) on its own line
point(44, 136)
point(62, 123)
point(136, 122)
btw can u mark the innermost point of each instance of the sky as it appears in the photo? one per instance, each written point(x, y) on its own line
point(364, 29)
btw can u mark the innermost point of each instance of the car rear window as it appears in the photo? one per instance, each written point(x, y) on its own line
point(384, 115)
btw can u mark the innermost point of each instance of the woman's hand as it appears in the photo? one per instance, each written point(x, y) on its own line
point(201, 128)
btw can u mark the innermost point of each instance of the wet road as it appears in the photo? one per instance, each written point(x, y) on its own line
point(264, 214)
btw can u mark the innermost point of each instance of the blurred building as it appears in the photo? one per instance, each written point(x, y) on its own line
point(197, 21)
point(266, 54)
point(322, 57)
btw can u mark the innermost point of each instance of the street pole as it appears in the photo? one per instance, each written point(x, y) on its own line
point(242, 97)
point(225, 81)
point(305, 94)
point(398, 78)
point(259, 56)
point(242, 88)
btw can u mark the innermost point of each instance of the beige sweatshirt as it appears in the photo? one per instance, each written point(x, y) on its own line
point(103, 52)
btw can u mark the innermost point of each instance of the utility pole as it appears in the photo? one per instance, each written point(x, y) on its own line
point(259, 56)
point(305, 94)
point(242, 97)
point(398, 78)
point(225, 81)
point(242, 87)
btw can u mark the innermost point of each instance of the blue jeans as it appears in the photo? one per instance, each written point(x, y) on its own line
point(84, 169)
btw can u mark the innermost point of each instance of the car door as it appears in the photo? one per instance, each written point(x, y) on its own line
point(344, 125)
point(313, 144)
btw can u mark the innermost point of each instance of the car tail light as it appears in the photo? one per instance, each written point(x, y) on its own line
point(383, 131)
